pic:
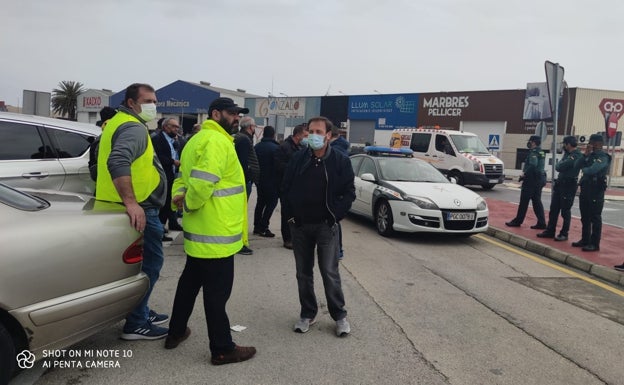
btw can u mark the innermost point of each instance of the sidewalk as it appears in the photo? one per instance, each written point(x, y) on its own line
point(599, 263)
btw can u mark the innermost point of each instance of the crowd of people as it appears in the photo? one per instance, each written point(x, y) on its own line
point(208, 177)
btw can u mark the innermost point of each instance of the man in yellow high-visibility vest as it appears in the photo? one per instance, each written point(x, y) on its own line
point(129, 172)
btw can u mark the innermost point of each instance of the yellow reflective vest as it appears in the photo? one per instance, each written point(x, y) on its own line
point(145, 176)
point(215, 201)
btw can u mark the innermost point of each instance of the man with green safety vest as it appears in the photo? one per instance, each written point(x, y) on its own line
point(211, 190)
point(128, 172)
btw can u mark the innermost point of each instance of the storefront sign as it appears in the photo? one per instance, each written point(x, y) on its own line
point(388, 111)
point(288, 107)
point(445, 105)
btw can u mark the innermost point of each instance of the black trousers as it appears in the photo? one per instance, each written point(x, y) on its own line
point(266, 203)
point(591, 203)
point(561, 201)
point(531, 191)
point(286, 236)
point(166, 213)
point(215, 276)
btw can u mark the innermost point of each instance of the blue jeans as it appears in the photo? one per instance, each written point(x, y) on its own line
point(305, 238)
point(153, 259)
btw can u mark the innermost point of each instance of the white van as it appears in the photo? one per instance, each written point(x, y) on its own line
point(460, 155)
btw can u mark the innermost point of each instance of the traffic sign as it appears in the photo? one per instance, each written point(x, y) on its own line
point(612, 110)
point(494, 142)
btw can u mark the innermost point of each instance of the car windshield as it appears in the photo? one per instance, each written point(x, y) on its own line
point(409, 170)
point(20, 200)
point(469, 144)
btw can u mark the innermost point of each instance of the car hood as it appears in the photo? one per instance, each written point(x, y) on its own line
point(444, 195)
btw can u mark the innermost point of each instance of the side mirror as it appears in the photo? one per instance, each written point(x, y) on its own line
point(367, 176)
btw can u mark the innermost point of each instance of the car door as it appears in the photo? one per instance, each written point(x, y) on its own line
point(27, 158)
point(72, 149)
point(364, 189)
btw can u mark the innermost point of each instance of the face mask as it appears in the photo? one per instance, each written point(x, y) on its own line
point(304, 142)
point(148, 111)
point(172, 134)
point(528, 144)
point(316, 141)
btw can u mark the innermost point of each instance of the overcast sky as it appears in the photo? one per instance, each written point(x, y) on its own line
point(309, 47)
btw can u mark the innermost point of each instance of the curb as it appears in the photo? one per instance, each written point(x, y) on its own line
point(603, 272)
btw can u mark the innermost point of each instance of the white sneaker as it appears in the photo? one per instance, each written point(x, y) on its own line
point(342, 327)
point(303, 325)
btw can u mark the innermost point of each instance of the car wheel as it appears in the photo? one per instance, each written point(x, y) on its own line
point(383, 219)
point(7, 355)
point(458, 177)
point(488, 186)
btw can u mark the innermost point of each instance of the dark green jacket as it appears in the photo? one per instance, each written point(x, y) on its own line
point(595, 167)
point(534, 164)
point(567, 165)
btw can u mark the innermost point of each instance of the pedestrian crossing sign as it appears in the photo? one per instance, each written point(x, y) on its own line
point(494, 142)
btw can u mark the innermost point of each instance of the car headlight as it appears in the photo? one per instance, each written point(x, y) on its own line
point(423, 203)
point(476, 166)
point(481, 205)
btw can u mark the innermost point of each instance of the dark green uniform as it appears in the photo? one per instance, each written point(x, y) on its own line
point(532, 184)
point(595, 167)
point(564, 190)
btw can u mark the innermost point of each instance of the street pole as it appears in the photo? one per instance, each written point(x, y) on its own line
point(555, 124)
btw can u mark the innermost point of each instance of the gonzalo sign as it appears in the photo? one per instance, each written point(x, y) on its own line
point(445, 105)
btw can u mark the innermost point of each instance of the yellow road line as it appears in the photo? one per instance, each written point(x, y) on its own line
point(551, 265)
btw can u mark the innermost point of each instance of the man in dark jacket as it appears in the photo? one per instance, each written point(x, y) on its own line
point(563, 192)
point(268, 184)
point(283, 155)
point(338, 142)
point(318, 190)
point(164, 147)
point(533, 180)
point(243, 142)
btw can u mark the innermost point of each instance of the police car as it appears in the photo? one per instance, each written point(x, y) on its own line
point(402, 193)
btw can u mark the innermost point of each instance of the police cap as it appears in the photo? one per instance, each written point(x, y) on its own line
point(595, 138)
point(571, 140)
point(536, 138)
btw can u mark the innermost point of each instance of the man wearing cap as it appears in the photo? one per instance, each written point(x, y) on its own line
point(564, 190)
point(211, 189)
point(533, 180)
point(595, 166)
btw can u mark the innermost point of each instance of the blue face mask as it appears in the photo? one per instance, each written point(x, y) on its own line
point(316, 141)
point(304, 142)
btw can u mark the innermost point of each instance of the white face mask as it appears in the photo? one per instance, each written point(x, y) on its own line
point(148, 111)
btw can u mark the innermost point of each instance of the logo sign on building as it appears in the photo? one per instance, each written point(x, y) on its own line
point(612, 110)
point(536, 102)
point(92, 101)
point(288, 107)
point(388, 111)
point(446, 105)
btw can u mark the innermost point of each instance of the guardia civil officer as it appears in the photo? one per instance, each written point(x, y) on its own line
point(564, 190)
point(533, 180)
point(595, 166)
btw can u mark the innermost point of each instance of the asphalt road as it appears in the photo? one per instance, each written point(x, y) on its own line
point(424, 310)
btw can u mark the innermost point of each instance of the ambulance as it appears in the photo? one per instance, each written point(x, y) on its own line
point(459, 155)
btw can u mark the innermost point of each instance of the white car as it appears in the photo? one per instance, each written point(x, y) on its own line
point(402, 193)
point(45, 153)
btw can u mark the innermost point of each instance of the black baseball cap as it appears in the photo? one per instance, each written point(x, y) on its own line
point(536, 138)
point(571, 140)
point(596, 138)
point(228, 104)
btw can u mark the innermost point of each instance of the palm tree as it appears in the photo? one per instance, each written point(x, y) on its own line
point(65, 98)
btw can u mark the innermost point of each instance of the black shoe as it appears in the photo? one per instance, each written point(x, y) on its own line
point(578, 243)
point(288, 245)
point(545, 234)
point(175, 227)
point(266, 233)
point(172, 342)
point(239, 354)
point(512, 224)
point(561, 238)
point(166, 238)
point(590, 248)
point(538, 227)
point(619, 267)
point(245, 251)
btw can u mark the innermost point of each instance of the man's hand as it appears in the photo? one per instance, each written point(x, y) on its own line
point(589, 149)
point(178, 200)
point(137, 216)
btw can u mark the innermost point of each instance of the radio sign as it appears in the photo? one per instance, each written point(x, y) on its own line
point(92, 101)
